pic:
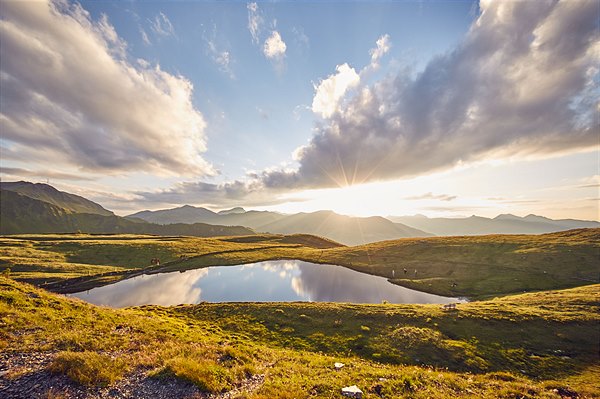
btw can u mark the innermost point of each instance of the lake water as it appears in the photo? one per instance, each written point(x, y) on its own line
point(273, 281)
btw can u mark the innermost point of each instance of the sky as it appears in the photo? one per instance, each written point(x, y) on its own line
point(440, 108)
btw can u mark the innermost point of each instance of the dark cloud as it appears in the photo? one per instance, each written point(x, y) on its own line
point(70, 95)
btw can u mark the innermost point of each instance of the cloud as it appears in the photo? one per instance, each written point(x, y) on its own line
point(590, 182)
point(330, 91)
point(274, 47)
point(431, 196)
point(383, 46)
point(255, 21)
point(162, 26)
point(45, 174)
point(70, 97)
point(222, 58)
point(301, 39)
point(236, 193)
point(145, 37)
point(517, 85)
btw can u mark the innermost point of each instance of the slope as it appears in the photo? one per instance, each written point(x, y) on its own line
point(21, 214)
point(541, 345)
point(193, 214)
point(344, 229)
point(44, 192)
point(183, 214)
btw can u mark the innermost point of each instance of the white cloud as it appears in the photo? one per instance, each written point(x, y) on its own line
point(70, 97)
point(145, 37)
point(431, 196)
point(255, 21)
point(330, 91)
point(274, 47)
point(219, 56)
point(383, 46)
point(161, 25)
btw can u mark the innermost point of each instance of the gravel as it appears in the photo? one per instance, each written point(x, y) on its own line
point(25, 376)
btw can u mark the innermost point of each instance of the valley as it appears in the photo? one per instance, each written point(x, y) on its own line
point(523, 320)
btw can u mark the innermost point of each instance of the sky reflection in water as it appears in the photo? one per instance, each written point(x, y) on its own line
point(284, 281)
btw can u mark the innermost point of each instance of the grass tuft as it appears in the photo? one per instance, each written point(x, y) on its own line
point(206, 375)
point(89, 368)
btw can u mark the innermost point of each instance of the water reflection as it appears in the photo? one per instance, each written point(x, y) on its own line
point(258, 282)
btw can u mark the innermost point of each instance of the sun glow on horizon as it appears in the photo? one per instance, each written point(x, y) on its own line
point(482, 189)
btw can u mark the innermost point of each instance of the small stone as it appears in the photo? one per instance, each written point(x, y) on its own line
point(352, 392)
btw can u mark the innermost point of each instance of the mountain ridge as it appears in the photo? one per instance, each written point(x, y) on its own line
point(21, 214)
point(501, 224)
point(348, 230)
point(47, 193)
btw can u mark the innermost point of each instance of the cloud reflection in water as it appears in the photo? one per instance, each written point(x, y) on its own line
point(258, 282)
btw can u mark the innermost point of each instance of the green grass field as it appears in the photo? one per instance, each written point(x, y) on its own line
point(476, 267)
point(536, 345)
point(524, 346)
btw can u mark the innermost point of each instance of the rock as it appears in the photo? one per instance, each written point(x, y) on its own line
point(338, 366)
point(378, 389)
point(352, 392)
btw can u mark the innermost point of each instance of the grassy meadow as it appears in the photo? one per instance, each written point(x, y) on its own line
point(476, 267)
point(525, 346)
point(541, 344)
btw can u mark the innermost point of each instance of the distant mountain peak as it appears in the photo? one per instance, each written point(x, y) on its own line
point(507, 216)
point(236, 210)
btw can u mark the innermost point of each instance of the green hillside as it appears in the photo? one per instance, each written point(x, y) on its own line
point(541, 345)
point(44, 192)
point(473, 267)
point(21, 214)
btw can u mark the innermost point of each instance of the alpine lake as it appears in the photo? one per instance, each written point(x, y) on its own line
point(270, 281)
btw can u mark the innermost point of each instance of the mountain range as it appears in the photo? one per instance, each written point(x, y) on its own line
point(59, 212)
point(501, 224)
point(344, 229)
point(40, 208)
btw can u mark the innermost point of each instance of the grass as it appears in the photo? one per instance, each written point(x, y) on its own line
point(89, 368)
point(476, 267)
point(529, 345)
